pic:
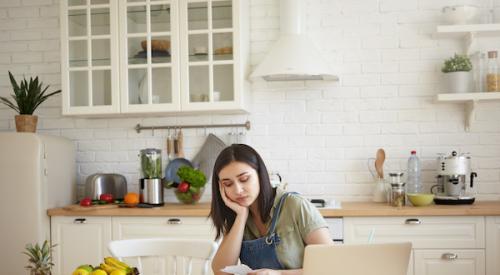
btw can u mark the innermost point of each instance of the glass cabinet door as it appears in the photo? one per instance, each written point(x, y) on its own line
point(149, 55)
point(91, 66)
point(208, 51)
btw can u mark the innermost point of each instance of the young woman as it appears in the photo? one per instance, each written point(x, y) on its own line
point(266, 228)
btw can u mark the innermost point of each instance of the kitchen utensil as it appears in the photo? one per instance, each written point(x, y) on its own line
point(77, 207)
point(151, 191)
point(104, 183)
point(460, 14)
point(180, 144)
point(170, 147)
point(379, 163)
point(173, 166)
point(205, 158)
point(420, 199)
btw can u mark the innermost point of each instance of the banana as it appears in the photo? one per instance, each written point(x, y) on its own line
point(113, 262)
point(108, 268)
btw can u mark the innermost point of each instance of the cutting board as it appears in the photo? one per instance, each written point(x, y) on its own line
point(77, 207)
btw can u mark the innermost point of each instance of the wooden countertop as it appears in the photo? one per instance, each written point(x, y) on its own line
point(349, 209)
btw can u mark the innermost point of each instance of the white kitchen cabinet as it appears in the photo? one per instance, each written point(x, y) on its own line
point(493, 245)
point(449, 262)
point(162, 227)
point(462, 236)
point(111, 63)
point(79, 240)
point(89, 59)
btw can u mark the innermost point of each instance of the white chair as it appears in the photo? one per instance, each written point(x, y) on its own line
point(170, 256)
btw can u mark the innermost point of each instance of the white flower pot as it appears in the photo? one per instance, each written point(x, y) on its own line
point(458, 82)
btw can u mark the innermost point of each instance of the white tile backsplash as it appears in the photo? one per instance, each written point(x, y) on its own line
point(318, 135)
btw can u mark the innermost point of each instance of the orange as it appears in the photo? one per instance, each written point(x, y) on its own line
point(131, 198)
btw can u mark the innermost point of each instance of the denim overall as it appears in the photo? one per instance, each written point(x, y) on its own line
point(261, 252)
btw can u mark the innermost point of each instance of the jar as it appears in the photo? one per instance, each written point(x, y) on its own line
point(397, 191)
point(492, 77)
point(398, 195)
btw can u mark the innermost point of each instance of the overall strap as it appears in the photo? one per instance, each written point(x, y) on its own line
point(276, 213)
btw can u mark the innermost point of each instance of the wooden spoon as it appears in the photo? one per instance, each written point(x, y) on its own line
point(379, 163)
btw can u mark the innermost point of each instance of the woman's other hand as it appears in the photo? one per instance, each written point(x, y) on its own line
point(238, 209)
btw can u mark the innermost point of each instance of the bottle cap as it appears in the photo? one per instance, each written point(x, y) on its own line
point(413, 152)
point(492, 54)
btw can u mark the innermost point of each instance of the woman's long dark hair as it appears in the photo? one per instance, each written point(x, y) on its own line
point(222, 216)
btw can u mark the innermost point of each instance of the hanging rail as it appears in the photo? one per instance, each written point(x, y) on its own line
point(138, 127)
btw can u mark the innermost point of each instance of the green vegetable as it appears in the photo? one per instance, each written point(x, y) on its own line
point(151, 168)
point(194, 177)
point(457, 63)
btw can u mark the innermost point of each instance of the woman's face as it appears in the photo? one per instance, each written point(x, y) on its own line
point(240, 182)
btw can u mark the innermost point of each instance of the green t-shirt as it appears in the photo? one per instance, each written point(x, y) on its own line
point(297, 219)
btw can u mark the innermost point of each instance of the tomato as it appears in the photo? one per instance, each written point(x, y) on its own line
point(183, 187)
point(86, 202)
point(107, 198)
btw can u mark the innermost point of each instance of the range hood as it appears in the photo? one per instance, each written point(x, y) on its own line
point(294, 56)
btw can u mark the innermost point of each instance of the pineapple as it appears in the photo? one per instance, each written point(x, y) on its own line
point(40, 258)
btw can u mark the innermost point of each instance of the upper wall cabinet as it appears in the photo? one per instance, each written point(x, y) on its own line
point(153, 56)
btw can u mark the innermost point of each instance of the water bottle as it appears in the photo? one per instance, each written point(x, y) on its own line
point(413, 183)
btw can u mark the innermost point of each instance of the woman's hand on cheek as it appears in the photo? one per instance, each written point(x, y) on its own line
point(238, 209)
point(264, 272)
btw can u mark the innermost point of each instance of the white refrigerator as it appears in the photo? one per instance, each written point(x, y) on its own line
point(37, 172)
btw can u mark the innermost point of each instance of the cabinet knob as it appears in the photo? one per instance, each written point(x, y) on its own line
point(413, 221)
point(449, 256)
point(174, 221)
point(80, 221)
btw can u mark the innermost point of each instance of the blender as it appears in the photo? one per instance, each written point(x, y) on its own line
point(151, 186)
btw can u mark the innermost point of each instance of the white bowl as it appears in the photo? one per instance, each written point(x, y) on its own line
point(460, 14)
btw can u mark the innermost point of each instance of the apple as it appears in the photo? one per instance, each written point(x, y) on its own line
point(183, 187)
point(107, 198)
point(86, 202)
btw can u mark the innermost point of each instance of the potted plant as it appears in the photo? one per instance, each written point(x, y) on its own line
point(27, 97)
point(457, 71)
point(40, 258)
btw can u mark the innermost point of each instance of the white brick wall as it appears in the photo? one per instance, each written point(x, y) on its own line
point(317, 135)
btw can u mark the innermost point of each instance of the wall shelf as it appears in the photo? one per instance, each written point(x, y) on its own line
point(469, 100)
point(467, 32)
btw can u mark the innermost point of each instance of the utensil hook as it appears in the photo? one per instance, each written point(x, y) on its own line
point(371, 167)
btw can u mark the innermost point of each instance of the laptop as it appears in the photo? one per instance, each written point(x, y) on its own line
point(363, 259)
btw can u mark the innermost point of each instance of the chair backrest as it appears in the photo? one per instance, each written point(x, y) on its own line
point(166, 256)
point(373, 259)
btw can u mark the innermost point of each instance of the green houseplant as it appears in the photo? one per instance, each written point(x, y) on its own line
point(26, 98)
point(40, 258)
point(457, 70)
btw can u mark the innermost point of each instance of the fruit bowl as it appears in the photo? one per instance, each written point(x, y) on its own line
point(191, 196)
point(420, 199)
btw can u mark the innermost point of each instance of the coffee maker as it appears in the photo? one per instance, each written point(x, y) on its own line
point(454, 177)
point(151, 184)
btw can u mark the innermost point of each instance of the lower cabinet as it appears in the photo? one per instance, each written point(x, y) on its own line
point(441, 245)
point(79, 240)
point(84, 240)
point(493, 246)
point(449, 262)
